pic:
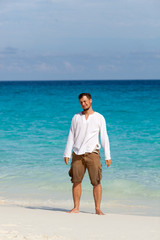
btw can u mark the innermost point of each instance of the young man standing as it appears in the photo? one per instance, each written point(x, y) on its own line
point(84, 140)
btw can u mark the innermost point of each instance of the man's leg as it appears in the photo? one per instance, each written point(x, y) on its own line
point(76, 173)
point(76, 191)
point(97, 193)
point(95, 173)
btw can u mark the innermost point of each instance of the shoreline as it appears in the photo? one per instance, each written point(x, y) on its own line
point(24, 223)
point(110, 206)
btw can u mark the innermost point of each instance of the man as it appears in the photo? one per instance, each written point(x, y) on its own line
point(84, 139)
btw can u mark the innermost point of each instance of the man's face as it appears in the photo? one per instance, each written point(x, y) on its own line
point(85, 103)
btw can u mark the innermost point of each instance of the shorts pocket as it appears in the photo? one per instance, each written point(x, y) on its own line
point(70, 172)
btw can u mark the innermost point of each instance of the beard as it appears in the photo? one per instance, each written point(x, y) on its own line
point(86, 109)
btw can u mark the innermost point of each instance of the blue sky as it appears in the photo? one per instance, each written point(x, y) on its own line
point(79, 39)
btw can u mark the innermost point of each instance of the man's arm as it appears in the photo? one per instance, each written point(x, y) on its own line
point(105, 142)
point(108, 162)
point(69, 145)
point(67, 160)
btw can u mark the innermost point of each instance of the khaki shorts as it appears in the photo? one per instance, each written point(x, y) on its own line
point(92, 162)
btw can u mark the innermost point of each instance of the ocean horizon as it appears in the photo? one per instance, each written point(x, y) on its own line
point(35, 118)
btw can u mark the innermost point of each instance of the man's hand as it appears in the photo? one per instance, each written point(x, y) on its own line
point(108, 162)
point(66, 159)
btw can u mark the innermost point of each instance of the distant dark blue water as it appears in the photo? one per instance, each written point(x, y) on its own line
point(35, 119)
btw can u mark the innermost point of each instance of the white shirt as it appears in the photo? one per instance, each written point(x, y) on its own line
point(84, 135)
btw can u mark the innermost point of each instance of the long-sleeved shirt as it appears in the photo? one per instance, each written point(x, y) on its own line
point(84, 135)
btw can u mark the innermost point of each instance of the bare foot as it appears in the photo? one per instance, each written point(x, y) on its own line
point(74, 210)
point(99, 212)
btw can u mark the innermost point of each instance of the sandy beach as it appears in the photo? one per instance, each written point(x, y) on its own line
point(35, 188)
point(23, 223)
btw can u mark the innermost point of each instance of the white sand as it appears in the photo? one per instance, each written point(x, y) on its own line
point(17, 223)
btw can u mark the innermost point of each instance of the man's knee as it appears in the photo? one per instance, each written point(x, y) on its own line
point(96, 176)
point(95, 183)
point(77, 184)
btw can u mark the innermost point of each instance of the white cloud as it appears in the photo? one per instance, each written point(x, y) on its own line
point(107, 67)
point(44, 67)
point(15, 67)
point(68, 66)
point(68, 28)
point(74, 67)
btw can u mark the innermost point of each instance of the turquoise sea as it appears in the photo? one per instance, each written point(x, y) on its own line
point(35, 118)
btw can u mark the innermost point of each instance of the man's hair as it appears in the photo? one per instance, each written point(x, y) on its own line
point(88, 95)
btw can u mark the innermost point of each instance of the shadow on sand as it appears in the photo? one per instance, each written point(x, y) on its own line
point(51, 209)
point(48, 208)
